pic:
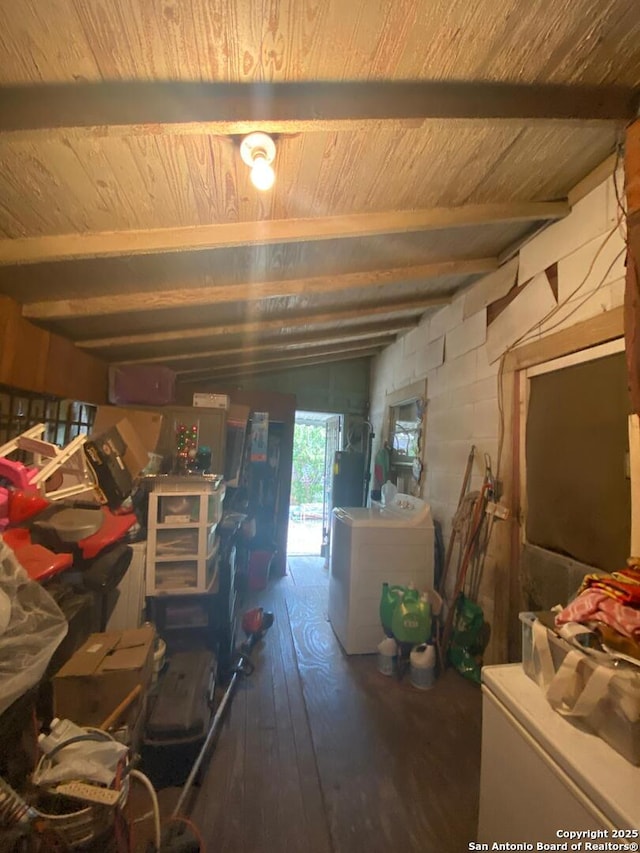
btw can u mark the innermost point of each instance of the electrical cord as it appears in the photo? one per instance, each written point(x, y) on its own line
point(536, 327)
point(144, 780)
point(622, 215)
point(530, 335)
point(185, 820)
point(619, 151)
point(92, 735)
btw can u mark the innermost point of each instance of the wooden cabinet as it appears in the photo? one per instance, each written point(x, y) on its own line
point(32, 359)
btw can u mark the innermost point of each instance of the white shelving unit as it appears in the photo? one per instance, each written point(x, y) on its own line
point(182, 546)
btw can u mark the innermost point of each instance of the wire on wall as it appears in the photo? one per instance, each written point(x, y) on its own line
point(532, 333)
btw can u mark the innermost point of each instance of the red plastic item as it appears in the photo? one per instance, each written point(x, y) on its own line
point(258, 569)
point(113, 528)
point(40, 563)
point(24, 504)
point(252, 621)
point(17, 537)
point(4, 507)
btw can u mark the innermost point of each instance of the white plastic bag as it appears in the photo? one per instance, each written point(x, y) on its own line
point(36, 628)
point(588, 689)
point(94, 758)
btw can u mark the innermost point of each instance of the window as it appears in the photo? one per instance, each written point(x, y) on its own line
point(64, 419)
point(405, 429)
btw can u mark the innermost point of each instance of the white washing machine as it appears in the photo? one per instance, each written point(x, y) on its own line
point(368, 547)
point(541, 776)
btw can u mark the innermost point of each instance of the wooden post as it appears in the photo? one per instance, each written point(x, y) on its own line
point(632, 167)
point(634, 463)
point(632, 321)
point(632, 292)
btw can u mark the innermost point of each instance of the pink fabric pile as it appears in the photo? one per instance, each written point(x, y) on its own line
point(597, 606)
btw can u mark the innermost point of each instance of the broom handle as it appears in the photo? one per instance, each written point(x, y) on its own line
point(462, 574)
point(115, 715)
point(452, 537)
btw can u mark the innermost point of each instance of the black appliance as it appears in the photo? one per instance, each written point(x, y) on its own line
point(347, 485)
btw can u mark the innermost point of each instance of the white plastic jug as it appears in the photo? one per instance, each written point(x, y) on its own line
point(93, 759)
point(422, 662)
point(387, 656)
point(389, 491)
point(60, 732)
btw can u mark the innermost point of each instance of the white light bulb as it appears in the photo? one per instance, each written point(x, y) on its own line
point(262, 174)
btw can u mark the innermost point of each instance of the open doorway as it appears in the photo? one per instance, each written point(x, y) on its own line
point(316, 437)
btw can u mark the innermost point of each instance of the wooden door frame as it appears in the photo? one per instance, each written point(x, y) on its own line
point(601, 329)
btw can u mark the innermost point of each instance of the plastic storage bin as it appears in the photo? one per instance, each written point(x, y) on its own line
point(191, 573)
point(258, 569)
point(593, 692)
point(141, 384)
point(182, 547)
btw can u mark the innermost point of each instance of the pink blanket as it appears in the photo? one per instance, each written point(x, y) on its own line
point(594, 605)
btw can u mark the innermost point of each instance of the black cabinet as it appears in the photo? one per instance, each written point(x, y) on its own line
point(347, 487)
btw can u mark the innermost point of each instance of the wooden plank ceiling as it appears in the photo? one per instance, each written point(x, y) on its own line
point(418, 142)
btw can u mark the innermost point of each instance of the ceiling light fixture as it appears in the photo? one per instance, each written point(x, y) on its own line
point(258, 151)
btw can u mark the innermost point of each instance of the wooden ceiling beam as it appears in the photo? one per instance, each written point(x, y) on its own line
point(375, 331)
point(303, 361)
point(191, 297)
point(180, 107)
point(389, 311)
point(602, 172)
point(105, 244)
point(257, 361)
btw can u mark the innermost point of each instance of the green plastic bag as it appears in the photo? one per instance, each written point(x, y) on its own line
point(469, 638)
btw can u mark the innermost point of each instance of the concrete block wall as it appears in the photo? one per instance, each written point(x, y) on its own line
point(459, 355)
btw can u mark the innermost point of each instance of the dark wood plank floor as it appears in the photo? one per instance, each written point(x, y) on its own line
point(321, 753)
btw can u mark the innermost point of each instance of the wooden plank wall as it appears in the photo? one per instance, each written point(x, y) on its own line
point(32, 359)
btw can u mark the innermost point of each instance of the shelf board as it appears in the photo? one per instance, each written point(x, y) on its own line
point(187, 525)
point(159, 591)
point(171, 591)
point(176, 558)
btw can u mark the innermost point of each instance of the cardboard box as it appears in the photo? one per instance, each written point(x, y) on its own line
point(96, 679)
point(211, 401)
point(156, 429)
point(147, 425)
point(105, 454)
point(237, 419)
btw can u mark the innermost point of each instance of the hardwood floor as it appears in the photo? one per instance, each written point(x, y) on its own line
point(321, 753)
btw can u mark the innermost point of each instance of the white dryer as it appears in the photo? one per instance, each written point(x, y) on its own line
point(368, 547)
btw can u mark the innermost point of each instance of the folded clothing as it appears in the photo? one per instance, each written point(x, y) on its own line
point(594, 604)
point(623, 585)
